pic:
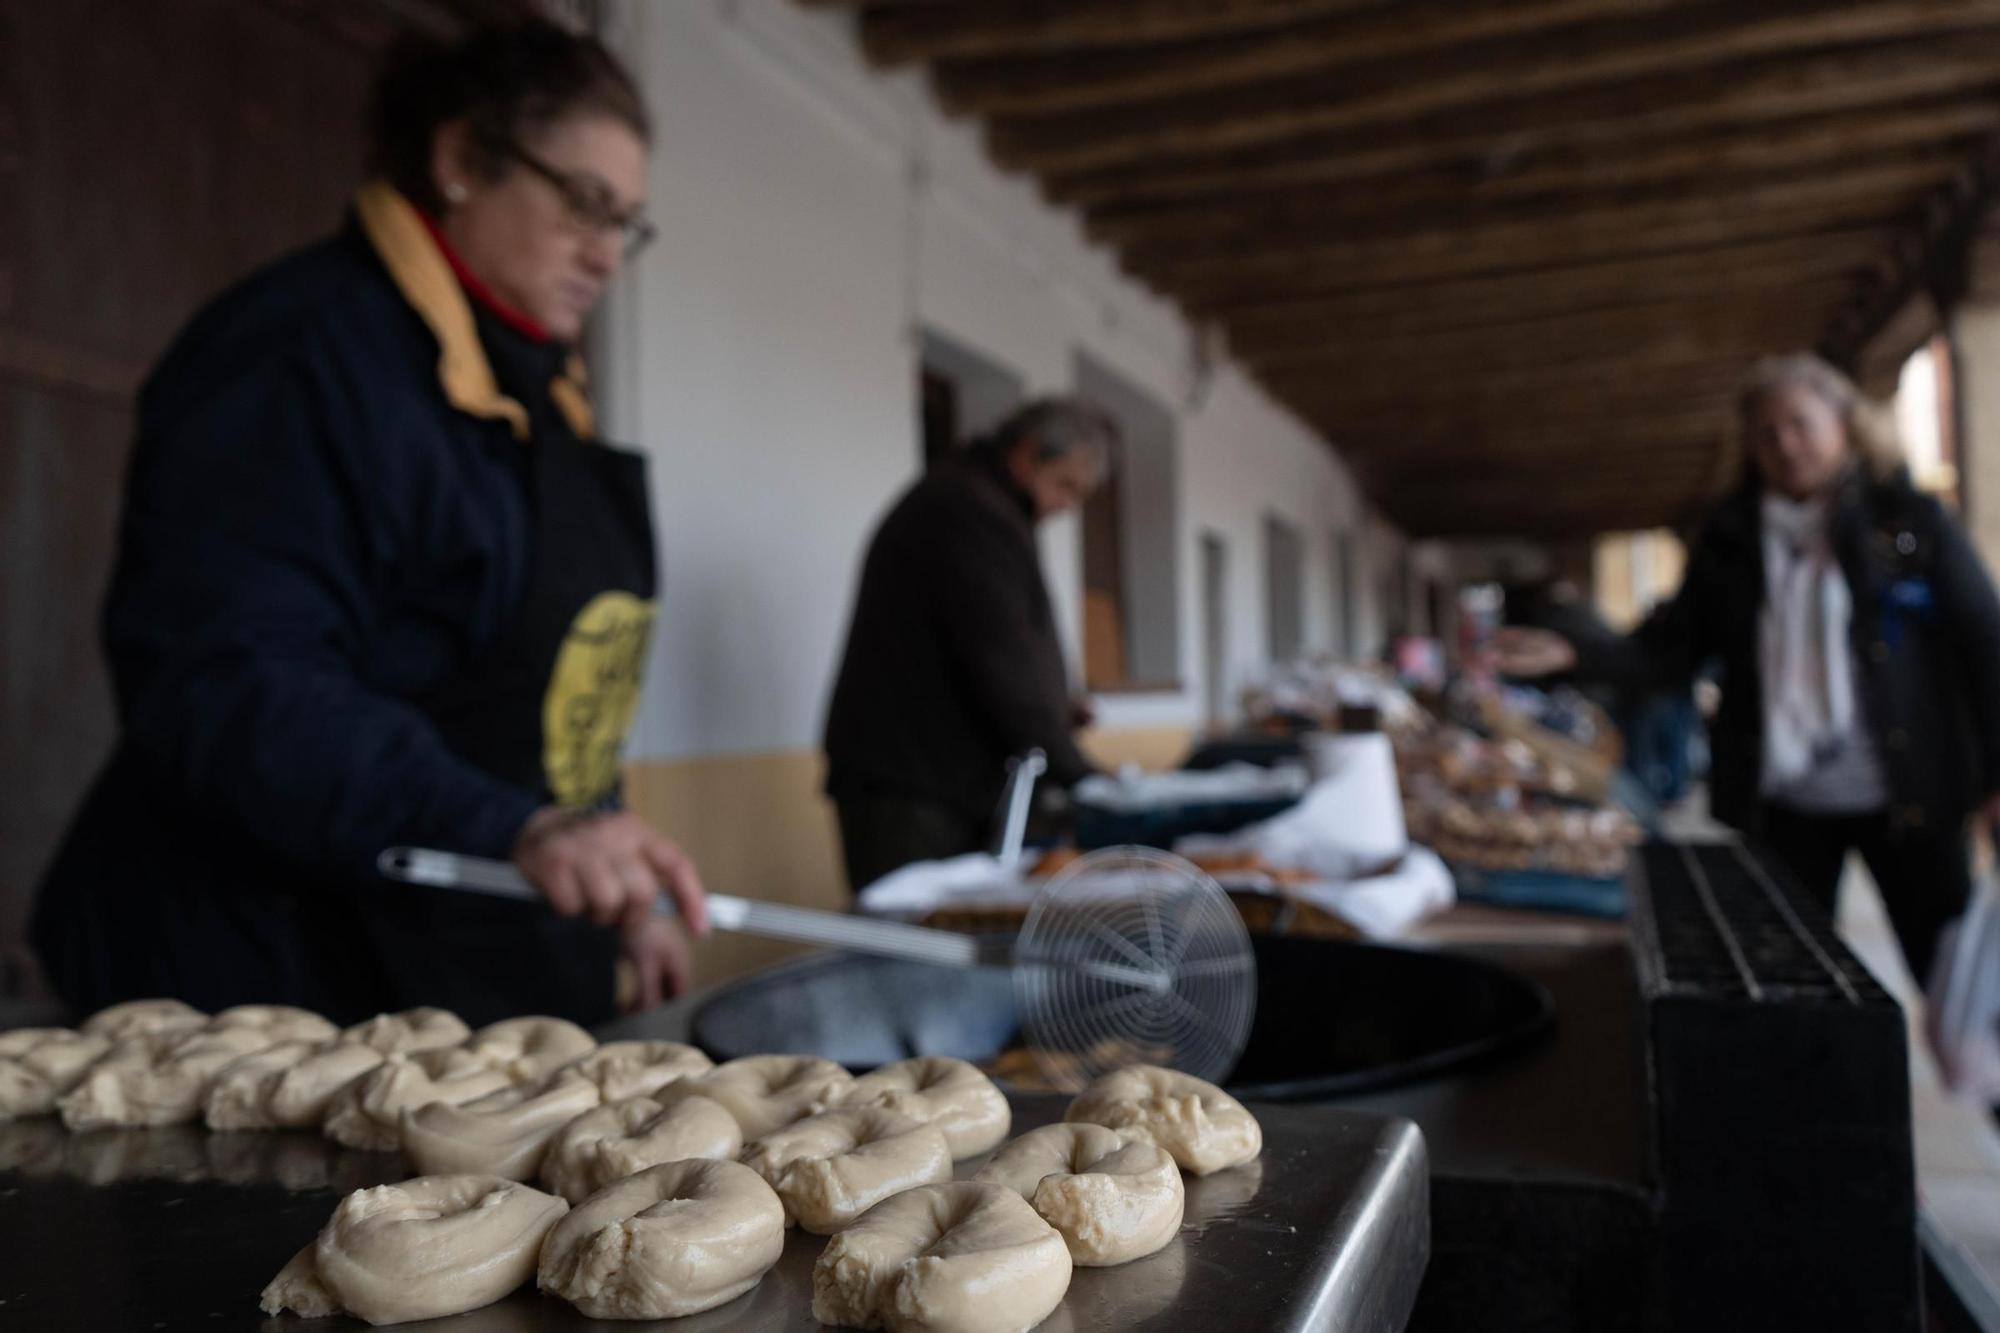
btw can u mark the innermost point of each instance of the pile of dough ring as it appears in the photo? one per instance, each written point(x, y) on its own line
point(137, 1018)
point(38, 1065)
point(1201, 1126)
point(623, 1138)
point(277, 1022)
point(436, 1245)
point(1114, 1195)
point(965, 1257)
point(530, 1049)
point(623, 1069)
point(830, 1168)
point(300, 1096)
point(368, 1113)
point(765, 1092)
point(501, 1134)
point(654, 1206)
point(941, 1091)
point(291, 1085)
point(159, 1078)
point(673, 1240)
point(420, 1029)
point(238, 1095)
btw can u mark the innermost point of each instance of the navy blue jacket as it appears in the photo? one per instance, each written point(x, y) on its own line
point(1926, 633)
point(322, 528)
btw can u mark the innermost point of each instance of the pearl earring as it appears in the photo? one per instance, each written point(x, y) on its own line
point(455, 192)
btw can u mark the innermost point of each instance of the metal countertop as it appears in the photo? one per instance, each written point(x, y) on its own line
point(180, 1228)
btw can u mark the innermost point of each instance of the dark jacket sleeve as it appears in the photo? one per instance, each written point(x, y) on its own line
point(1670, 646)
point(1971, 614)
point(238, 625)
point(992, 605)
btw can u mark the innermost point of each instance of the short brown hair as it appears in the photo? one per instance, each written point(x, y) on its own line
point(503, 81)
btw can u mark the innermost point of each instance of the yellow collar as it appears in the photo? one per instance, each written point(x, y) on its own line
point(420, 272)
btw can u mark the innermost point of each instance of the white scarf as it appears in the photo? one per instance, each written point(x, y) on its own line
point(1807, 666)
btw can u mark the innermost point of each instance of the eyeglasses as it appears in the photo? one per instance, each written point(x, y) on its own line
point(588, 203)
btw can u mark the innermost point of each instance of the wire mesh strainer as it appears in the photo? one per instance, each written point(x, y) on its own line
point(1128, 956)
point(1132, 955)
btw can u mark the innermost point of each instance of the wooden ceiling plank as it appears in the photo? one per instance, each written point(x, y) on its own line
point(1483, 139)
point(1205, 281)
point(906, 33)
point(1699, 42)
point(1703, 313)
point(1069, 80)
point(1759, 270)
point(1708, 160)
point(1322, 216)
point(1308, 394)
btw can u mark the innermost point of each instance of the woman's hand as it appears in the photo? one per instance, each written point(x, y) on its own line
point(662, 964)
point(1528, 653)
point(609, 867)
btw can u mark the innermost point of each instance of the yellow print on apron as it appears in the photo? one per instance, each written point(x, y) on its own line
point(593, 695)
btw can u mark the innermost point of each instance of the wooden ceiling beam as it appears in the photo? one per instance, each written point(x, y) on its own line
point(1311, 393)
point(1800, 314)
point(1932, 259)
point(1214, 240)
point(1486, 139)
point(1529, 488)
point(1551, 419)
point(1070, 80)
point(1469, 516)
point(1726, 159)
point(1762, 268)
point(1206, 282)
point(1700, 41)
point(905, 33)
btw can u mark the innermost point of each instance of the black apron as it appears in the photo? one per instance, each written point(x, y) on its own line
point(547, 709)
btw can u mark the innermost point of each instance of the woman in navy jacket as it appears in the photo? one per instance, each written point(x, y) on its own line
point(378, 583)
point(1856, 637)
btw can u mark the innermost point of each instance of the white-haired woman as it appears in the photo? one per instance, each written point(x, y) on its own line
point(1858, 641)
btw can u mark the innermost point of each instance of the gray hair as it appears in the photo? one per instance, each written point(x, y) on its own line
point(1871, 432)
point(1059, 427)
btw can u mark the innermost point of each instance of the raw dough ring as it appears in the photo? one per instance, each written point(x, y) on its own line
point(158, 1079)
point(432, 1246)
point(530, 1049)
point(765, 1092)
point(38, 1065)
point(501, 1134)
point(1114, 1196)
point(829, 1169)
point(300, 1097)
point(421, 1029)
point(240, 1095)
point(368, 1113)
point(278, 1022)
point(136, 1018)
point(1201, 1126)
point(954, 1258)
point(673, 1240)
point(623, 1069)
point(941, 1091)
point(623, 1138)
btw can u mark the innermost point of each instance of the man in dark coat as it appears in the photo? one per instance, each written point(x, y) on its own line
point(953, 664)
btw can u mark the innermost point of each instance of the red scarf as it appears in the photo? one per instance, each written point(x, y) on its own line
point(476, 287)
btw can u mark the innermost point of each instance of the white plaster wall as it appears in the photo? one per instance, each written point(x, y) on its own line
point(813, 214)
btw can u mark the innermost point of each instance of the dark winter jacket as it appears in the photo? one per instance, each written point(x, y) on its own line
point(953, 663)
point(1926, 636)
